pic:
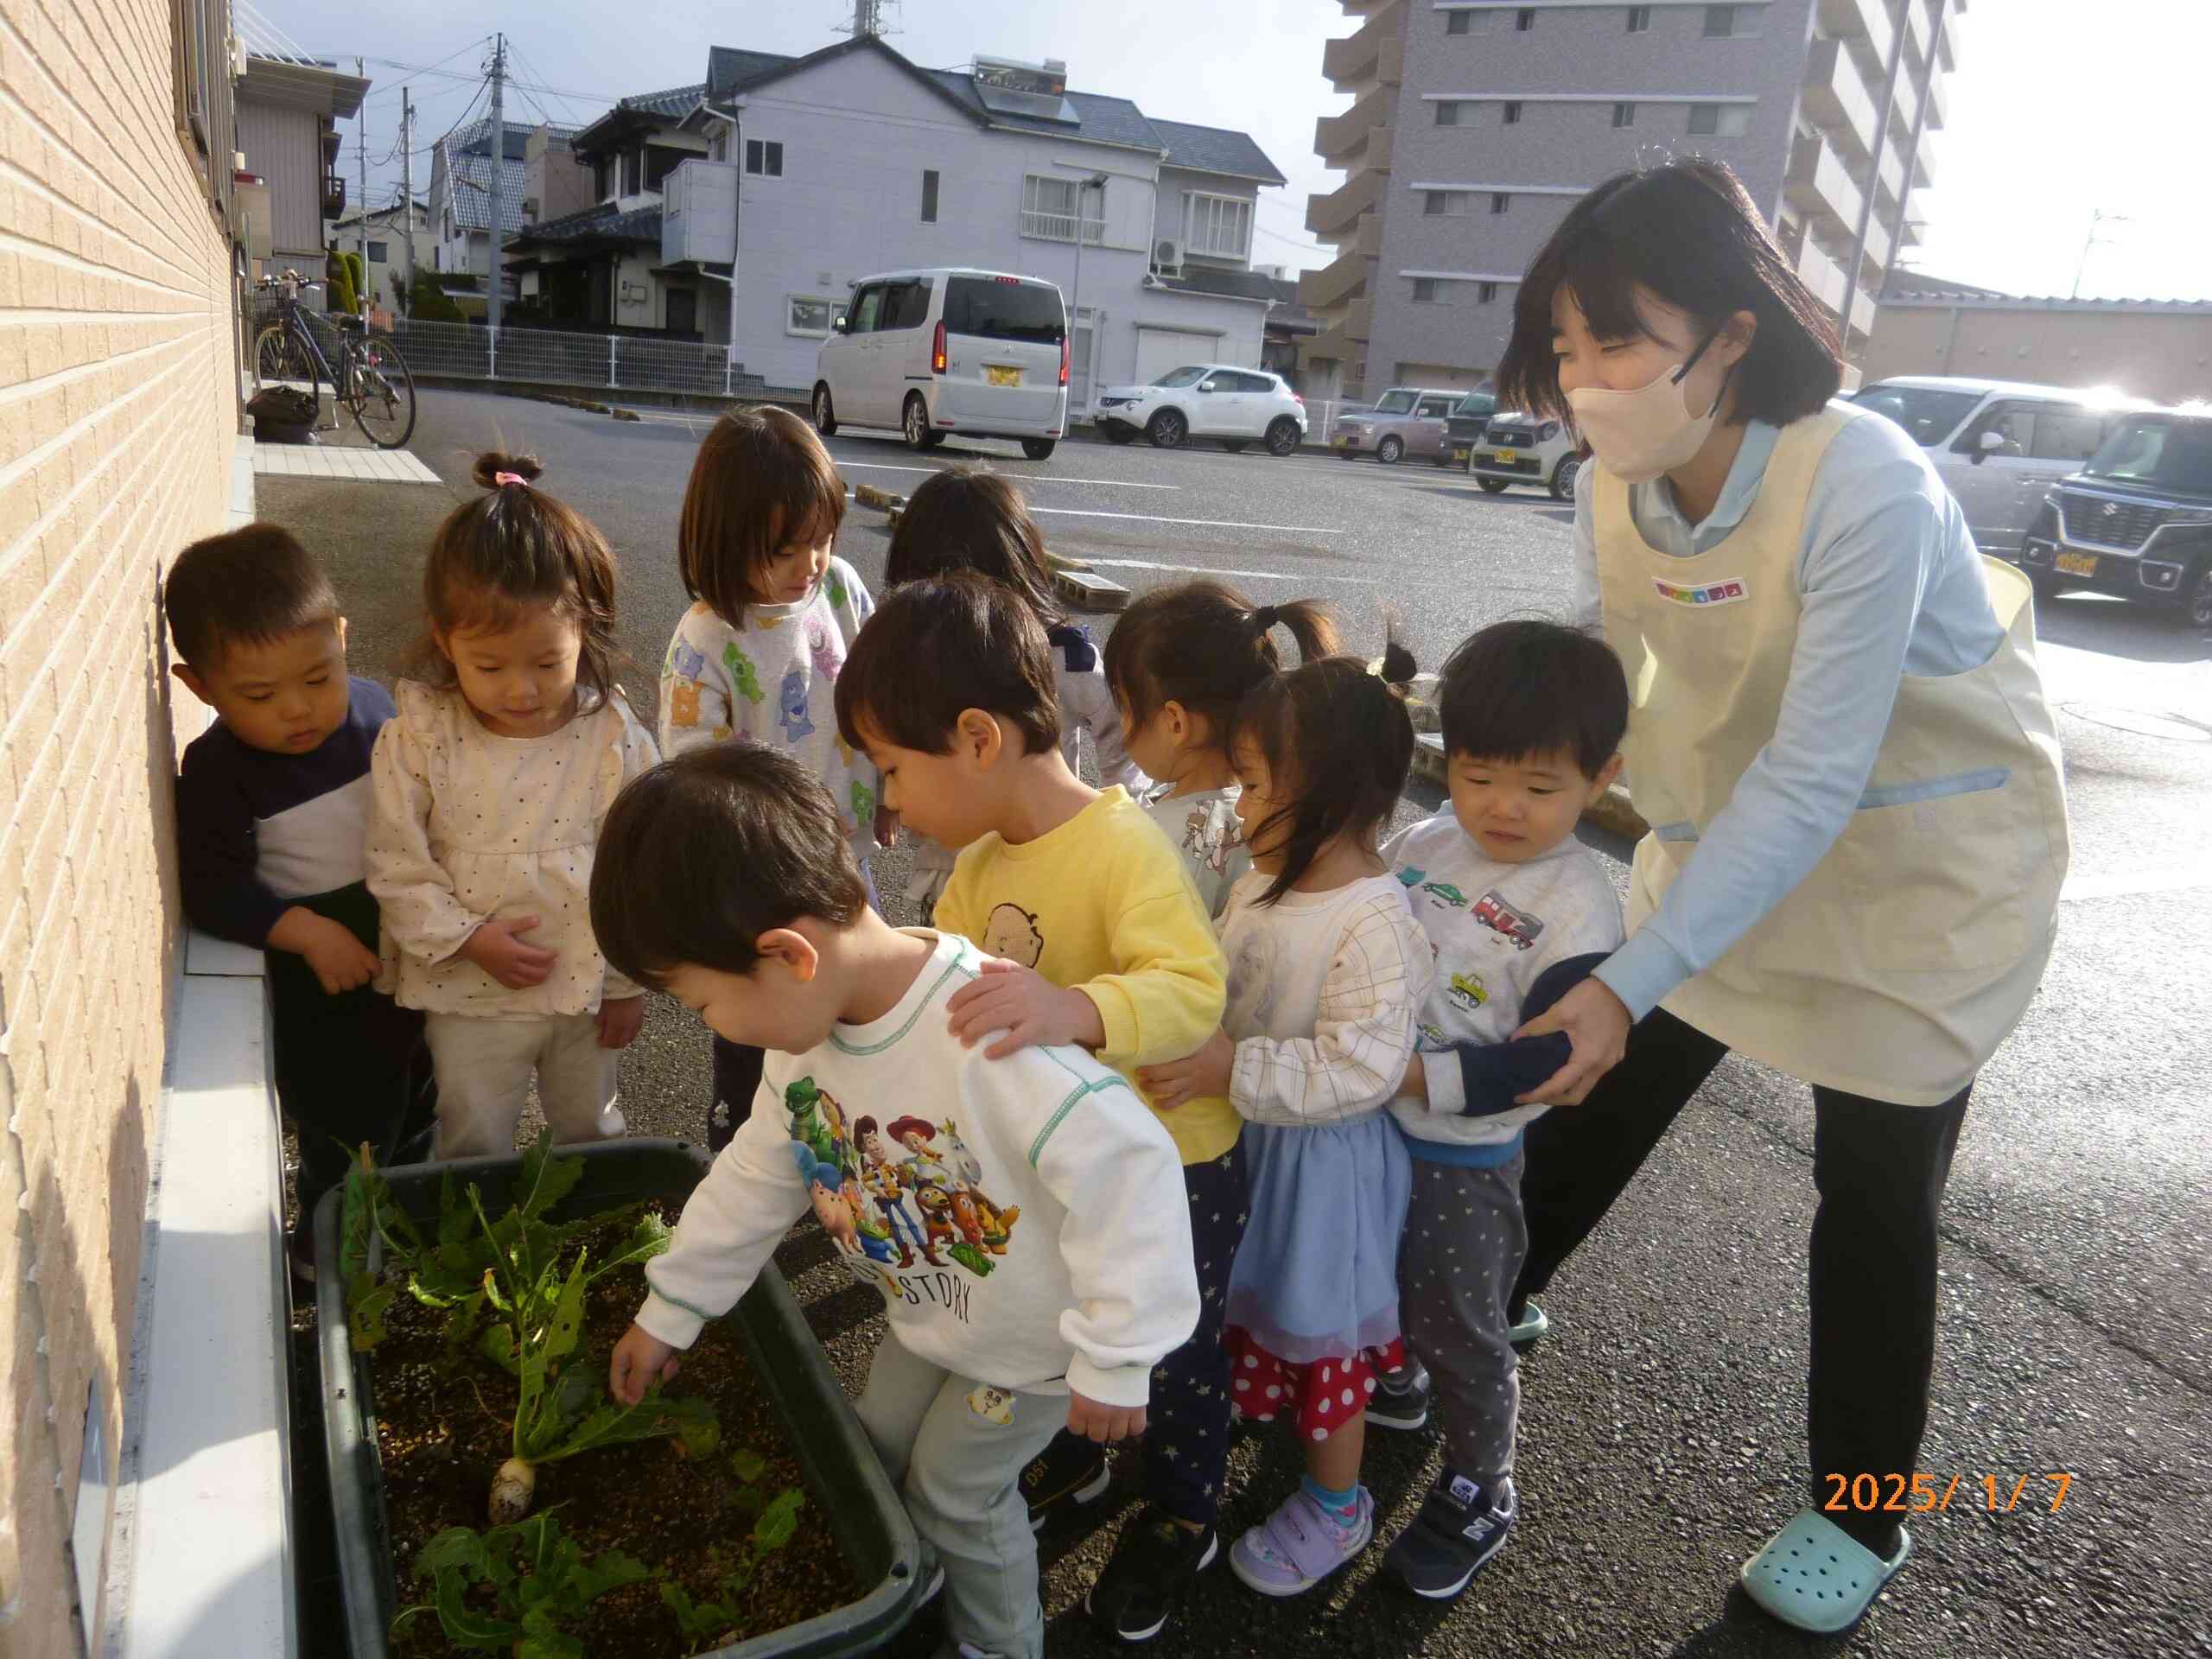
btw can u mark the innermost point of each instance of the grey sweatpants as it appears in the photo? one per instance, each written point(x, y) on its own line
point(1464, 1239)
point(956, 1447)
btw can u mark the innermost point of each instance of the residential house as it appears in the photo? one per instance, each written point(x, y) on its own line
point(288, 111)
point(2158, 349)
point(399, 240)
point(119, 360)
point(463, 171)
point(746, 206)
point(1475, 124)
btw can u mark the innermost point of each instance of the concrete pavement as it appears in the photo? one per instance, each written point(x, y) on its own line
point(1663, 1420)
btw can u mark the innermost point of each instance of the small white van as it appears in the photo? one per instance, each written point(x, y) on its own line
point(950, 352)
point(2000, 445)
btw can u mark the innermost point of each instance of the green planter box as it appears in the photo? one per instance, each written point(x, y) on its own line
point(842, 1475)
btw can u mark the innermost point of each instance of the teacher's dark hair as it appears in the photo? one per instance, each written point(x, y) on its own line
point(1685, 231)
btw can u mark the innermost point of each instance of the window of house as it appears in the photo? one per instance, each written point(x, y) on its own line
point(633, 168)
point(1624, 115)
point(1218, 224)
point(660, 162)
point(1512, 112)
point(764, 157)
point(1049, 206)
point(1720, 120)
point(1639, 20)
point(929, 195)
point(1446, 203)
point(720, 148)
point(1731, 23)
point(1499, 201)
point(1485, 293)
point(1425, 291)
point(809, 314)
point(189, 53)
point(1459, 23)
point(379, 252)
point(1447, 112)
point(1524, 20)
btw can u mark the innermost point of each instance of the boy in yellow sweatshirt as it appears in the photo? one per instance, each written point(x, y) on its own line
point(1099, 940)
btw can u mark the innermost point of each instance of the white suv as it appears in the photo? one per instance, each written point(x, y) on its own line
point(1518, 449)
point(1206, 400)
point(949, 352)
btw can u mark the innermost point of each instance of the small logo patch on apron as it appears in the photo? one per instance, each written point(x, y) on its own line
point(1713, 593)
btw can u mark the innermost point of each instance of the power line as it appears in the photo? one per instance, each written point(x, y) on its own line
point(538, 75)
point(422, 69)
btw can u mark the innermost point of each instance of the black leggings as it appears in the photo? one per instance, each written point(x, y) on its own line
point(1879, 1170)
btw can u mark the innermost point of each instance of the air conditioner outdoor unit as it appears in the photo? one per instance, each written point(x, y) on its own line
point(1167, 257)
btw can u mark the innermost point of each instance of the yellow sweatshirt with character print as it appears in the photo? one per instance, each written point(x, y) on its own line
point(1104, 904)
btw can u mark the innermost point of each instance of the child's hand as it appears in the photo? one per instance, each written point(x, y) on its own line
point(1195, 1077)
point(341, 962)
point(640, 1358)
point(494, 948)
point(886, 827)
point(1104, 1424)
point(1028, 1008)
point(618, 1020)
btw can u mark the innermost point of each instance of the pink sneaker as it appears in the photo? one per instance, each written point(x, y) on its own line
point(1300, 1545)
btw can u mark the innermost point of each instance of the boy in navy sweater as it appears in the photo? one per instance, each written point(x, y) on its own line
point(272, 810)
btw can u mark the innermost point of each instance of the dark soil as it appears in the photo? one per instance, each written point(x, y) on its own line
point(444, 1428)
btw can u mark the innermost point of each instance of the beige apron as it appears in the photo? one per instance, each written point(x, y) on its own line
point(1894, 969)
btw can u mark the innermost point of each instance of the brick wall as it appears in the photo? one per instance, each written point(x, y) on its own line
point(117, 416)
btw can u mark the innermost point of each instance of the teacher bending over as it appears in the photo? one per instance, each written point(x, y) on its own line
point(1839, 740)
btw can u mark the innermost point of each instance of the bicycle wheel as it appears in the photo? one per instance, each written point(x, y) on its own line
point(277, 358)
point(382, 393)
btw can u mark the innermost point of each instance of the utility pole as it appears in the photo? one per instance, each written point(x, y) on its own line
point(1075, 310)
point(361, 207)
point(2097, 216)
point(1874, 169)
point(498, 176)
point(407, 191)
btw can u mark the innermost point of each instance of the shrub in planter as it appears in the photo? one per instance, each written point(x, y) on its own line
point(428, 302)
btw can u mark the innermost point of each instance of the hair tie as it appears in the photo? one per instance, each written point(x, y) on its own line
point(1266, 617)
point(502, 479)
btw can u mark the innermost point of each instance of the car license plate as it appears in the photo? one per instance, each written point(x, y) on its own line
point(1003, 376)
point(1511, 458)
point(1459, 456)
point(2078, 564)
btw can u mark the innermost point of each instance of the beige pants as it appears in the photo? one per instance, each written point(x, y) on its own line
point(484, 1068)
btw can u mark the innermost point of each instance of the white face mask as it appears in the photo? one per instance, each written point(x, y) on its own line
point(1636, 436)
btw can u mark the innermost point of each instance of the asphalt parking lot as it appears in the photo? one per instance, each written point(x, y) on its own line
point(1662, 1433)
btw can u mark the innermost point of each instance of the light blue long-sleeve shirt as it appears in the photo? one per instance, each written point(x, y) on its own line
point(1892, 585)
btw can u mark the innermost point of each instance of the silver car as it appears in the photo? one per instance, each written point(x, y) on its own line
point(1405, 420)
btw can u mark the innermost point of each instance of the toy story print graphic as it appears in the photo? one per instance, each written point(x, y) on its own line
point(898, 1197)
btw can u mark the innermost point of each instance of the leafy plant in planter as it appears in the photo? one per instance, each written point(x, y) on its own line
point(513, 1269)
point(774, 1520)
point(540, 1584)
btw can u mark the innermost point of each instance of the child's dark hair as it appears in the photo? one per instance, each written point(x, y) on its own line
point(1526, 687)
point(938, 646)
point(707, 852)
point(1204, 644)
point(1337, 732)
point(762, 481)
point(250, 586)
point(969, 518)
point(511, 551)
point(1688, 233)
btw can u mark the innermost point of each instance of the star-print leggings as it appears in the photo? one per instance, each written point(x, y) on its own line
point(1464, 1239)
point(1186, 1443)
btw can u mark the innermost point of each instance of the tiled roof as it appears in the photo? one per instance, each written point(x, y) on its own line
point(1986, 299)
point(1216, 149)
point(601, 224)
point(475, 138)
point(728, 65)
point(1099, 118)
point(677, 102)
point(471, 207)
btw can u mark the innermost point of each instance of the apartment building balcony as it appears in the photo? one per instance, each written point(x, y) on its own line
point(1344, 339)
point(1834, 96)
point(1375, 55)
point(1819, 187)
point(1826, 279)
point(1864, 24)
point(1365, 129)
point(1346, 276)
point(1335, 217)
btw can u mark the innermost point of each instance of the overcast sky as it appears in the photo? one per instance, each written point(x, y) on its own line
point(2058, 109)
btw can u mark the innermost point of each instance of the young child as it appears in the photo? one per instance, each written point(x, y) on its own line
point(773, 613)
point(1520, 912)
point(272, 815)
point(965, 518)
point(1180, 661)
point(1328, 970)
point(1052, 1312)
point(490, 786)
point(952, 690)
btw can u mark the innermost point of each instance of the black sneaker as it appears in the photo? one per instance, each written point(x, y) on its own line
point(1459, 1527)
point(1070, 1470)
point(1156, 1558)
point(1401, 1398)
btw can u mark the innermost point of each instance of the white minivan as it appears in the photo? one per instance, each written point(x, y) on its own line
point(2000, 445)
point(948, 352)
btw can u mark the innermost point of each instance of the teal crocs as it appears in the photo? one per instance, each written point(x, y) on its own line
point(1815, 1576)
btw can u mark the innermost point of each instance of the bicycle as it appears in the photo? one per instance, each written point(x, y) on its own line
point(371, 379)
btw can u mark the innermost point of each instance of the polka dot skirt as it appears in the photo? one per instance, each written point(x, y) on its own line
point(1324, 1395)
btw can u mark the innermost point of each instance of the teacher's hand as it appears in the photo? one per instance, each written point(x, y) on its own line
point(1597, 1024)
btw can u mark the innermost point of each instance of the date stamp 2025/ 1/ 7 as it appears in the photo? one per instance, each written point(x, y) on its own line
point(1921, 1495)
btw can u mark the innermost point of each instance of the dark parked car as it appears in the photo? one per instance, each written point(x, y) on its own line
point(2137, 521)
point(1464, 427)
